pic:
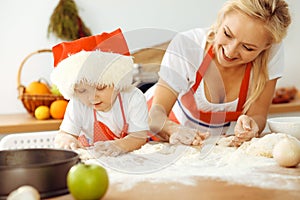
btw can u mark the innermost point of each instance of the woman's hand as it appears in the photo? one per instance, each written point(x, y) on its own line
point(187, 136)
point(246, 128)
point(66, 141)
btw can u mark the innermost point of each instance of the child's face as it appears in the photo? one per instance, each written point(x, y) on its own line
point(100, 98)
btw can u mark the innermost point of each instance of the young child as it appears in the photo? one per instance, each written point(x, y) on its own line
point(105, 111)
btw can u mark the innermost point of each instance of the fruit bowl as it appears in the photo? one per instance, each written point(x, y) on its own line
point(288, 125)
point(32, 101)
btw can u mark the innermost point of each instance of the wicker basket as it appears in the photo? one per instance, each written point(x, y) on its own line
point(32, 101)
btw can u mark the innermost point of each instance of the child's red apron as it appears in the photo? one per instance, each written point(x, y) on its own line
point(102, 132)
point(188, 100)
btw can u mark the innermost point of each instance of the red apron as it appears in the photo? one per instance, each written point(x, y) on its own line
point(188, 99)
point(102, 132)
point(189, 103)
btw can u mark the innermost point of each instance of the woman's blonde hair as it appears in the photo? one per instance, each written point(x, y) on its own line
point(276, 17)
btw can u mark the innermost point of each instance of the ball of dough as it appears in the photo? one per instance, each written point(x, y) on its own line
point(287, 152)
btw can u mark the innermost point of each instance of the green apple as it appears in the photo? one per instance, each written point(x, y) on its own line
point(54, 90)
point(87, 181)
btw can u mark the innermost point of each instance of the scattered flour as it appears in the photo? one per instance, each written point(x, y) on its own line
point(251, 164)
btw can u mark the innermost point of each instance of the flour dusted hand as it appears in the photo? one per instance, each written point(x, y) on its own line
point(66, 141)
point(85, 154)
point(246, 128)
point(187, 136)
point(107, 148)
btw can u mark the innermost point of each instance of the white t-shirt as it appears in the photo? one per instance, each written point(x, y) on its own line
point(178, 68)
point(79, 118)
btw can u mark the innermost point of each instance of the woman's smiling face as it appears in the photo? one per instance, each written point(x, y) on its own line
point(240, 39)
point(100, 98)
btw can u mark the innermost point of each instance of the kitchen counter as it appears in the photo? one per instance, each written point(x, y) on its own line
point(24, 122)
point(293, 106)
point(203, 189)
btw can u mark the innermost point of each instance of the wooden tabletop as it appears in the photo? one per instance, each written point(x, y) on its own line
point(211, 189)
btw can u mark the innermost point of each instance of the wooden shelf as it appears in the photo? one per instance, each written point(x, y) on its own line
point(24, 122)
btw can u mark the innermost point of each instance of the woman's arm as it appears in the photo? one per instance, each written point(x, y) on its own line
point(164, 99)
point(164, 95)
point(260, 108)
point(253, 123)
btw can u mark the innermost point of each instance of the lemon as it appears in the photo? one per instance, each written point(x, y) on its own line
point(42, 112)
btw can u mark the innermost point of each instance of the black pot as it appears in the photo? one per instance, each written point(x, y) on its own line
point(44, 169)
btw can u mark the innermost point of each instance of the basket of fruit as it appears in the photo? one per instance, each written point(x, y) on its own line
point(37, 93)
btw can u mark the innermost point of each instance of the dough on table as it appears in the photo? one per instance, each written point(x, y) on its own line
point(257, 146)
point(225, 141)
point(263, 146)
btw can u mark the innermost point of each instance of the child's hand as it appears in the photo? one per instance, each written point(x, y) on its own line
point(107, 148)
point(65, 141)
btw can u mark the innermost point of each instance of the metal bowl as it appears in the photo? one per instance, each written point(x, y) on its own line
point(287, 125)
point(44, 169)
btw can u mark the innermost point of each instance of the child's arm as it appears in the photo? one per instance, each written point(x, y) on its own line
point(133, 141)
point(117, 147)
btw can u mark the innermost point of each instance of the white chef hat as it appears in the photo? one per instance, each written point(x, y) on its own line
point(95, 68)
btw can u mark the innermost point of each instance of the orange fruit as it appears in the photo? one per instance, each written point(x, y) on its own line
point(42, 112)
point(58, 109)
point(37, 87)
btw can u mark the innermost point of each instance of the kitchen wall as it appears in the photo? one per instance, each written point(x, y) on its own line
point(144, 23)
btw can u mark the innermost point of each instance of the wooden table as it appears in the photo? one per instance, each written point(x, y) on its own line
point(204, 189)
point(24, 122)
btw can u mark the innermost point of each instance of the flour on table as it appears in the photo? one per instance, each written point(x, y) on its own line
point(251, 164)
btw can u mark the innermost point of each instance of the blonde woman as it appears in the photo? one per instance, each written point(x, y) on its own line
point(212, 77)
